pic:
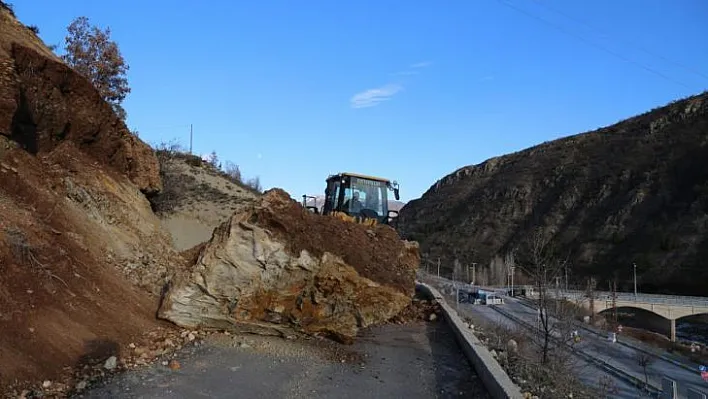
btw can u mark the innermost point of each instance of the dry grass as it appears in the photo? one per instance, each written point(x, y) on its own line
point(660, 341)
point(182, 185)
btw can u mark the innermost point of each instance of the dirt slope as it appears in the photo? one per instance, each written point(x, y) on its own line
point(633, 192)
point(84, 258)
point(196, 199)
point(77, 234)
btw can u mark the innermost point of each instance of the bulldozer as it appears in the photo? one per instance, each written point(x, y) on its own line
point(357, 198)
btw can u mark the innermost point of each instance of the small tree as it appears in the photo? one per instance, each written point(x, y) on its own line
point(233, 171)
point(644, 360)
point(92, 53)
point(255, 183)
point(497, 271)
point(544, 270)
point(510, 266)
point(213, 160)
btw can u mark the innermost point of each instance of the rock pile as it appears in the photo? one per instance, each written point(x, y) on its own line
point(277, 269)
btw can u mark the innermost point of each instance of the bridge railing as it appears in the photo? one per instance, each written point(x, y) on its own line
point(677, 300)
point(646, 298)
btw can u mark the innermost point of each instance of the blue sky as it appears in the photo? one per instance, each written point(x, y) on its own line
point(409, 90)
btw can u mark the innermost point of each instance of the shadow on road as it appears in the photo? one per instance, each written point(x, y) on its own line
point(454, 374)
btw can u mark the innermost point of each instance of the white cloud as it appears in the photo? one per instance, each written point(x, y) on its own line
point(422, 64)
point(373, 97)
point(405, 73)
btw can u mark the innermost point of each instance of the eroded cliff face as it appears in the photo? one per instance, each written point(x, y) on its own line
point(43, 103)
point(634, 192)
point(83, 258)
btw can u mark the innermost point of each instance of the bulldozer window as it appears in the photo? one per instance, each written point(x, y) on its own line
point(333, 194)
point(353, 201)
point(365, 194)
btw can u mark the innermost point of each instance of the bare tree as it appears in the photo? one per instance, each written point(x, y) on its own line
point(213, 160)
point(607, 386)
point(544, 269)
point(510, 266)
point(497, 271)
point(91, 52)
point(233, 171)
point(644, 360)
point(255, 183)
point(590, 294)
point(456, 270)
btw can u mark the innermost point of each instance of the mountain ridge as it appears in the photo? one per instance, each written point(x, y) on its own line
point(632, 192)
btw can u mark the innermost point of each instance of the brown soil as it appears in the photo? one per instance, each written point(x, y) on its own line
point(59, 304)
point(317, 234)
point(191, 255)
point(419, 310)
point(44, 103)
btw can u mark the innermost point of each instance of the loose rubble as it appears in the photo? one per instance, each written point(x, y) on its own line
point(419, 310)
point(277, 269)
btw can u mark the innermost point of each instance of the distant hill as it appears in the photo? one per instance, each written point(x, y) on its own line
point(393, 205)
point(633, 192)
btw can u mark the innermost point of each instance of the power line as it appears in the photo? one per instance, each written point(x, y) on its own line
point(582, 22)
point(620, 56)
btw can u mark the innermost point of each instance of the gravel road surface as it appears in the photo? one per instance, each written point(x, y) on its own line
point(416, 360)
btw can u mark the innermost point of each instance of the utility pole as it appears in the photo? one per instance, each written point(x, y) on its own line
point(635, 281)
point(512, 280)
point(613, 289)
point(191, 131)
point(438, 266)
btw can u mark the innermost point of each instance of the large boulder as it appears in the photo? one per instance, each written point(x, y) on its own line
point(276, 268)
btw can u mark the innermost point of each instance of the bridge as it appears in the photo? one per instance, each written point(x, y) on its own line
point(670, 307)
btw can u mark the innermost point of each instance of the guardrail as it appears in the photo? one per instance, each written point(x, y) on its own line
point(678, 300)
point(647, 298)
point(495, 379)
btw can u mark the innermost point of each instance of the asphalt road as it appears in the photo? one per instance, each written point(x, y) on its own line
point(586, 372)
point(619, 356)
point(419, 360)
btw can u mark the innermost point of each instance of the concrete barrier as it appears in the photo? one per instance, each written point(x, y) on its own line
point(669, 390)
point(694, 394)
point(492, 374)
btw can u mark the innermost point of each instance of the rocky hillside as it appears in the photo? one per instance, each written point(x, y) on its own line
point(82, 256)
point(196, 197)
point(97, 229)
point(633, 192)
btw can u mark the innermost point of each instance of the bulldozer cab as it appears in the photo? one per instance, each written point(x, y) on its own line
point(360, 197)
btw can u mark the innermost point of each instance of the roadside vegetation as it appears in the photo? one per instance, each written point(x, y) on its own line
point(90, 51)
point(178, 186)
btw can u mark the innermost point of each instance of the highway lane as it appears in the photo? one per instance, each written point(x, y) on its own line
point(621, 356)
point(618, 356)
point(586, 372)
